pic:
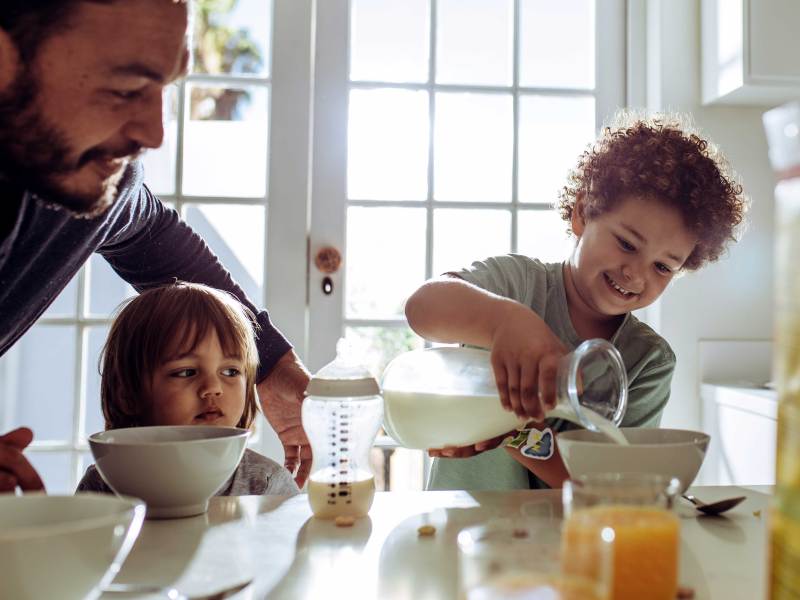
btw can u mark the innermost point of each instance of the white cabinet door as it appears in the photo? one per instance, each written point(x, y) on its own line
point(749, 51)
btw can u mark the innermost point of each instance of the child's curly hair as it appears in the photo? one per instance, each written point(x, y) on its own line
point(660, 157)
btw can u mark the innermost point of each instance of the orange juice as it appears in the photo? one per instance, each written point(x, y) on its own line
point(531, 586)
point(646, 541)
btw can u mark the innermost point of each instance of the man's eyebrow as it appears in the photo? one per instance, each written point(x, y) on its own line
point(138, 70)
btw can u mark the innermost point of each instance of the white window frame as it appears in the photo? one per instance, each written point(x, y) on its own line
point(327, 318)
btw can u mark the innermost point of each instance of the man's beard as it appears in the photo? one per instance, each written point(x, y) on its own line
point(35, 155)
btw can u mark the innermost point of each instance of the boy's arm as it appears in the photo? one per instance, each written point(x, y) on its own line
point(552, 471)
point(447, 309)
point(524, 351)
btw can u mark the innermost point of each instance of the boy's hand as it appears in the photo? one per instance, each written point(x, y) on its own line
point(281, 394)
point(525, 357)
point(15, 470)
point(467, 451)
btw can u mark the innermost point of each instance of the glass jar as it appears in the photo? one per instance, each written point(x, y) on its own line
point(448, 396)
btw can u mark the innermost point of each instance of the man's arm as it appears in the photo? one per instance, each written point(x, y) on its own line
point(281, 395)
point(151, 245)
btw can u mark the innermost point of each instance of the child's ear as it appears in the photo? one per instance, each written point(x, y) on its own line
point(578, 220)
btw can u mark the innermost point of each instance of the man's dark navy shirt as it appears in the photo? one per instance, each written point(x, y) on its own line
point(145, 242)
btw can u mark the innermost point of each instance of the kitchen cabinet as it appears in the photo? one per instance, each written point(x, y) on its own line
point(750, 51)
point(742, 421)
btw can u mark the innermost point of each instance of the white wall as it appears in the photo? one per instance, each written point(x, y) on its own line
point(733, 298)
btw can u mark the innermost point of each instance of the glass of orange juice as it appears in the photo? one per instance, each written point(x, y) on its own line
point(510, 559)
point(637, 507)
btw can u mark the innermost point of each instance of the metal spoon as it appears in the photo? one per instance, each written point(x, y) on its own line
point(127, 589)
point(714, 508)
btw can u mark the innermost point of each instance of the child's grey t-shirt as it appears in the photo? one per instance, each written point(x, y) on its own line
point(648, 359)
point(256, 475)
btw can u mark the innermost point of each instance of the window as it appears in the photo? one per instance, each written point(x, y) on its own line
point(429, 133)
point(50, 377)
point(463, 119)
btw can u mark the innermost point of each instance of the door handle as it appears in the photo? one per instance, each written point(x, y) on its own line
point(328, 260)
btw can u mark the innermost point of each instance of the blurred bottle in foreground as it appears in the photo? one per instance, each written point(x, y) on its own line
point(783, 134)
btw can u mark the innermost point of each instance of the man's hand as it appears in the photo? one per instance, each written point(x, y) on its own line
point(281, 394)
point(467, 451)
point(15, 470)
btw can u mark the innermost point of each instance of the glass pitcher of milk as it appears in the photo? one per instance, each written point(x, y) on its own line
point(341, 413)
point(448, 396)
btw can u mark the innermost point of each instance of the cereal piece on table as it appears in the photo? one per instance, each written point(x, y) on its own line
point(519, 534)
point(344, 521)
point(685, 593)
point(757, 513)
point(426, 530)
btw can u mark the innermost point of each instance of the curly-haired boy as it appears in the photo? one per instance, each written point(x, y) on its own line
point(647, 201)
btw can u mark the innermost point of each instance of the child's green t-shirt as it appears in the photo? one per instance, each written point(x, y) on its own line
point(648, 359)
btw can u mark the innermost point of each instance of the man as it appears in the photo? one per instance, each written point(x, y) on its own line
point(81, 85)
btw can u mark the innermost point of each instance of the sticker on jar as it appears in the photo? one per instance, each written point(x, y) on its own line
point(534, 443)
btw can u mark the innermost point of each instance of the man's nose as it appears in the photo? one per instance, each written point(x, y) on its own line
point(146, 127)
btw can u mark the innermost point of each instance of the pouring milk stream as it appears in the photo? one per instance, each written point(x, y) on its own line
point(448, 396)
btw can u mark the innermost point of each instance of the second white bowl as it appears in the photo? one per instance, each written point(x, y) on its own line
point(669, 452)
point(174, 469)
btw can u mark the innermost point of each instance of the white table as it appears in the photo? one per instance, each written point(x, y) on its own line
point(294, 556)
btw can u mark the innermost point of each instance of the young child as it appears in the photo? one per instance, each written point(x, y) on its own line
point(647, 201)
point(184, 354)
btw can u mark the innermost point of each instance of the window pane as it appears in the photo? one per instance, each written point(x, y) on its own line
point(462, 236)
point(389, 40)
point(552, 134)
point(225, 142)
point(474, 41)
point(407, 470)
point(159, 164)
point(542, 234)
point(237, 235)
point(233, 37)
point(387, 149)
point(107, 289)
point(557, 43)
point(94, 421)
point(55, 469)
point(43, 383)
point(376, 346)
point(66, 303)
point(385, 260)
point(473, 142)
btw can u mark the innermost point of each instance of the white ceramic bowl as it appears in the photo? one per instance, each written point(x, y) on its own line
point(174, 469)
point(670, 452)
point(64, 546)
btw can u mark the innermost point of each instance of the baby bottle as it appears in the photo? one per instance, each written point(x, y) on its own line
point(342, 413)
point(448, 396)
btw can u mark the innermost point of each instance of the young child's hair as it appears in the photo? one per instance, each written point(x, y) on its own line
point(162, 322)
point(660, 157)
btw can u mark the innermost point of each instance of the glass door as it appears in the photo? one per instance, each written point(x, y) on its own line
point(443, 131)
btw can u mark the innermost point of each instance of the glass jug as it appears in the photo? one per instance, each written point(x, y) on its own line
point(448, 396)
point(341, 413)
